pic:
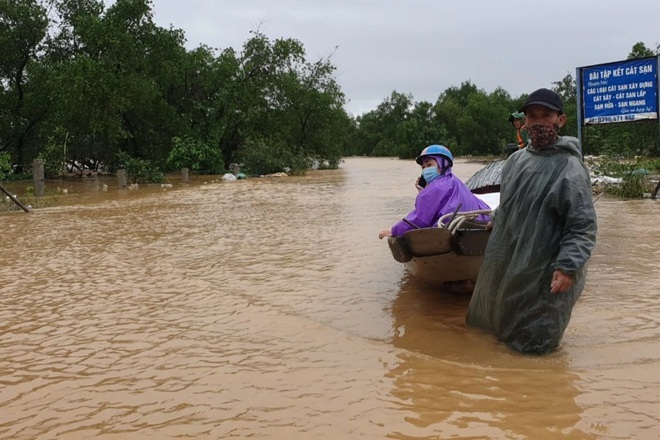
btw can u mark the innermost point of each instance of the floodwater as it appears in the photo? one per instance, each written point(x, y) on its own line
point(268, 308)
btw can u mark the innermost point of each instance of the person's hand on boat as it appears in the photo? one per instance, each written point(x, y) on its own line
point(489, 226)
point(561, 282)
point(385, 233)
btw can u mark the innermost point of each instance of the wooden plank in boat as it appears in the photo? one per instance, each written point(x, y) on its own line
point(471, 242)
point(428, 241)
point(399, 249)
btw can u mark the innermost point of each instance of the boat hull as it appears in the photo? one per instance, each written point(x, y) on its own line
point(440, 258)
point(448, 272)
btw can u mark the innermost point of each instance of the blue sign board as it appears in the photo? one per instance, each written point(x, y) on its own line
point(623, 91)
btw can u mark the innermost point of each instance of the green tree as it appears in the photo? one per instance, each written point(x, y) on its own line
point(193, 154)
point(5, 164)
point(419, 130)
point(450, 109)
point(383, 122)
point(566, 88)
point(639, 50)
point(277, 97)
point(307, 108)
point(476, 122)
point(113, 72)
point(23, 26)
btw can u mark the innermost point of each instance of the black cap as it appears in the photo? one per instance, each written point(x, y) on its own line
point(546, 98)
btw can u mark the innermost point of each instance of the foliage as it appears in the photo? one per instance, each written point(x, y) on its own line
point(639, 50)
point(54, 153)
point(82, 83)
point(193, 154)
point(23, 26)
point(633, 173)
point(397, 127)
point(268, 156)
point(623, 140)
point(5, 164)
point(138, 170)
point(17, 177)
point(611, 166)
point(419, 129)
point(634, 186)
point(566, 88)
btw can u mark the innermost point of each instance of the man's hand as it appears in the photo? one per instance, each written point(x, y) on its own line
point(560, 282)
point(385, 233)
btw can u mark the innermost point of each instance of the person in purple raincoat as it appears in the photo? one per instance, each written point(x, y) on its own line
point(443, 194)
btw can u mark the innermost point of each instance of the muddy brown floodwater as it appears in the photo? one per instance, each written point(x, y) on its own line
point(268, 308)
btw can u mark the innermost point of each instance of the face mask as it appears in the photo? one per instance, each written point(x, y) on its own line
point(430, 173)
point(543, 135)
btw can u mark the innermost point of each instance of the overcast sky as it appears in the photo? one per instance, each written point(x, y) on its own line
point(422, 47)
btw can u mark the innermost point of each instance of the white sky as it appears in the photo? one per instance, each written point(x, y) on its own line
point(422, 47)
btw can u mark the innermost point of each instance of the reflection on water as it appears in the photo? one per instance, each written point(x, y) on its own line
point(456, 381)
point(268, 308)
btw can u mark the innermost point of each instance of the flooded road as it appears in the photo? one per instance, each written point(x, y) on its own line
point(268, 308)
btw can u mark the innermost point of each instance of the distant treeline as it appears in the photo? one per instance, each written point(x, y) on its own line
point(471, 121)
point(85, 86)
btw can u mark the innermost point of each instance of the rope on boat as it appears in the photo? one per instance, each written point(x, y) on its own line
point(461, 218)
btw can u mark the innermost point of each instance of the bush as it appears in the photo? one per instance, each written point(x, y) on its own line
point(5, 165)
point(139, 170)
point(634, 186)
point(634, 174)
point(54, 153)
point(267, 157)
point(195, 155)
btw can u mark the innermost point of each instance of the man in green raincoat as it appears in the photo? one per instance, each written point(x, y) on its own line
point(543, 233)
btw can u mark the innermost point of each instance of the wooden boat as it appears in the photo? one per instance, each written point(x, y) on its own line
point(450, 257)
point(445, 258)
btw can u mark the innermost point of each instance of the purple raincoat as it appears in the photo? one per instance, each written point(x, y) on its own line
point(441, 196)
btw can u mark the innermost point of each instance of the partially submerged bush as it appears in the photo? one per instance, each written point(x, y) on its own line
point(268, 157)
point(139, 170)
point(195, 155)
point(634, 175)
point(634, 186)
point(5, 165)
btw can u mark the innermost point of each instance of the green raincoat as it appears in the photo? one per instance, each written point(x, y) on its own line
point(545, 221)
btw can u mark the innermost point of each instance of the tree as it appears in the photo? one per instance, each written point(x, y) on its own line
point(450, 108)
point(112, 76)
point(389, 114)
point(23, 25)
point(567, 90)
point(419, 130)
point(276, 97)
point(639, 50)
point(477, 122)
point(307, 106)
